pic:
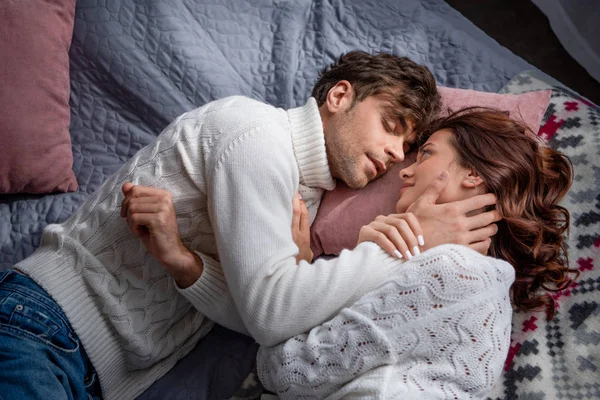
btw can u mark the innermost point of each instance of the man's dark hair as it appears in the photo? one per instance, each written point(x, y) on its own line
point(410, 87)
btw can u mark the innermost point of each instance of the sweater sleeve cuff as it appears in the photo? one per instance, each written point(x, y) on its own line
point(208, 291)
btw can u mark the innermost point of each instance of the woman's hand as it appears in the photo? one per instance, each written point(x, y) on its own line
point(301, 229)
point(398, 234)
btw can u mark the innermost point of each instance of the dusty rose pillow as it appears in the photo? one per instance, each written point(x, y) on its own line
point(344, 211)
point(35, 144)
point(527, 107)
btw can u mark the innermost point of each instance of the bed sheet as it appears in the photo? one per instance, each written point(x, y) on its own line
point(138, 64)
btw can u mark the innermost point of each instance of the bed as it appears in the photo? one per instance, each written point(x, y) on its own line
point(135, 65)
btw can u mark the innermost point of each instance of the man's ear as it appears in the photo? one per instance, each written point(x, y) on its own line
point(472, 180)
point(340, 97)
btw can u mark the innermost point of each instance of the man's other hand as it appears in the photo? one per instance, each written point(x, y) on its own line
point(451, 223)
point(301, 229)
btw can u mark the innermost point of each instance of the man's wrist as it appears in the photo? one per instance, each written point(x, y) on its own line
point(188, 269)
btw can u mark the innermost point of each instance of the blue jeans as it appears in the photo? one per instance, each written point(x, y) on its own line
point(41, 357)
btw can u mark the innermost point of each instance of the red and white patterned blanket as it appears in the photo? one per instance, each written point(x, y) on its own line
point(560, 359)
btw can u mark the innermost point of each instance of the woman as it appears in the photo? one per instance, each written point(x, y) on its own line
point(441, 327)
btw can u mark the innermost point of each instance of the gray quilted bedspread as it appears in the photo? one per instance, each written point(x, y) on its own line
point(138, 64)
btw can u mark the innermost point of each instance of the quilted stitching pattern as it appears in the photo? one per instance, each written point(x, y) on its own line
point(136, 65)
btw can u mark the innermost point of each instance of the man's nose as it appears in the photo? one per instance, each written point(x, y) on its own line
point(395, 155)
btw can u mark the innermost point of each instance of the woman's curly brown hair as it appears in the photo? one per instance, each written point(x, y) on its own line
point(529, 179)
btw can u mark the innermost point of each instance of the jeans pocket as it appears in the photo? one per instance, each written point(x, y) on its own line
point(27, 315)
point(90, 380)
point(92, 386)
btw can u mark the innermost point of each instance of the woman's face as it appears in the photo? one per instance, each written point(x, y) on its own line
point(434, 157)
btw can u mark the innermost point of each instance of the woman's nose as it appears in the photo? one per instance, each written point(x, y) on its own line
point(406, 173)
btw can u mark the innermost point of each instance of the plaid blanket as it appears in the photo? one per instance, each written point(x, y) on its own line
point(560, 359)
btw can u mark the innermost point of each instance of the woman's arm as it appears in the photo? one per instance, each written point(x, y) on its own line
point(440, 325)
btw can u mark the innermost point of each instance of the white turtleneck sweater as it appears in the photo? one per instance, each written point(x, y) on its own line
point(232, 168)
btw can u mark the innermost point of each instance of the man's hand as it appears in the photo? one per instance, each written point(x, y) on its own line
point(450, 223)
point(151, 217)
point(301, 229)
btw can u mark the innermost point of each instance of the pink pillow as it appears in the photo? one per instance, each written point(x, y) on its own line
point(35, 144)
point(527, 107)
point(344, 211)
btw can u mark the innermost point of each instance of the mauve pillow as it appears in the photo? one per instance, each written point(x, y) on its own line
point(35, 145)
point(344, 211)
point(527, 107)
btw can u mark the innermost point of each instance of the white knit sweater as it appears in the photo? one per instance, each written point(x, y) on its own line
point(439, 328)
point(232, 167)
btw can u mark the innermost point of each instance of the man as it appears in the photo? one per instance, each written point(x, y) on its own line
point(209, 206)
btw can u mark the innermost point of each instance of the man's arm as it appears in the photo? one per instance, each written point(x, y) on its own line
point(150, 214)
point(250, 204)
point(151, 217)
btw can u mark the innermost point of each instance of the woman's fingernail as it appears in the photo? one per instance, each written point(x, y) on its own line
point(408, 255)
point(421, 240)
point(397, 253)
point(300, 196)
point(416, 251)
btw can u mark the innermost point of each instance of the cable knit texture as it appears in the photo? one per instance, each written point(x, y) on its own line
point(133, 321)
point(438, 328)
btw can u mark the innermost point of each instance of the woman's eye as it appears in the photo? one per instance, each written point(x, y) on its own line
point(423, 153)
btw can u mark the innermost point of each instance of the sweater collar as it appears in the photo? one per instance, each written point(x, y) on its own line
point(308, 140)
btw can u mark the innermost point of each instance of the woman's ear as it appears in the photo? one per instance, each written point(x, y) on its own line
point(340, 97)
point(472, 180)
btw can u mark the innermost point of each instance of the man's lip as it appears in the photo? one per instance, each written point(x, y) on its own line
point(374, 169)
point(379, 166)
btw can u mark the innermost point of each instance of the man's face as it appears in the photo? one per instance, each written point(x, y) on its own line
point(363, 140)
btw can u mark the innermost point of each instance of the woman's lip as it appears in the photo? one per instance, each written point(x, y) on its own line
point(404, 187)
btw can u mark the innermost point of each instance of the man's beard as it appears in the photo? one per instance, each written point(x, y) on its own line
point(341, 160)
point(348, 173)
